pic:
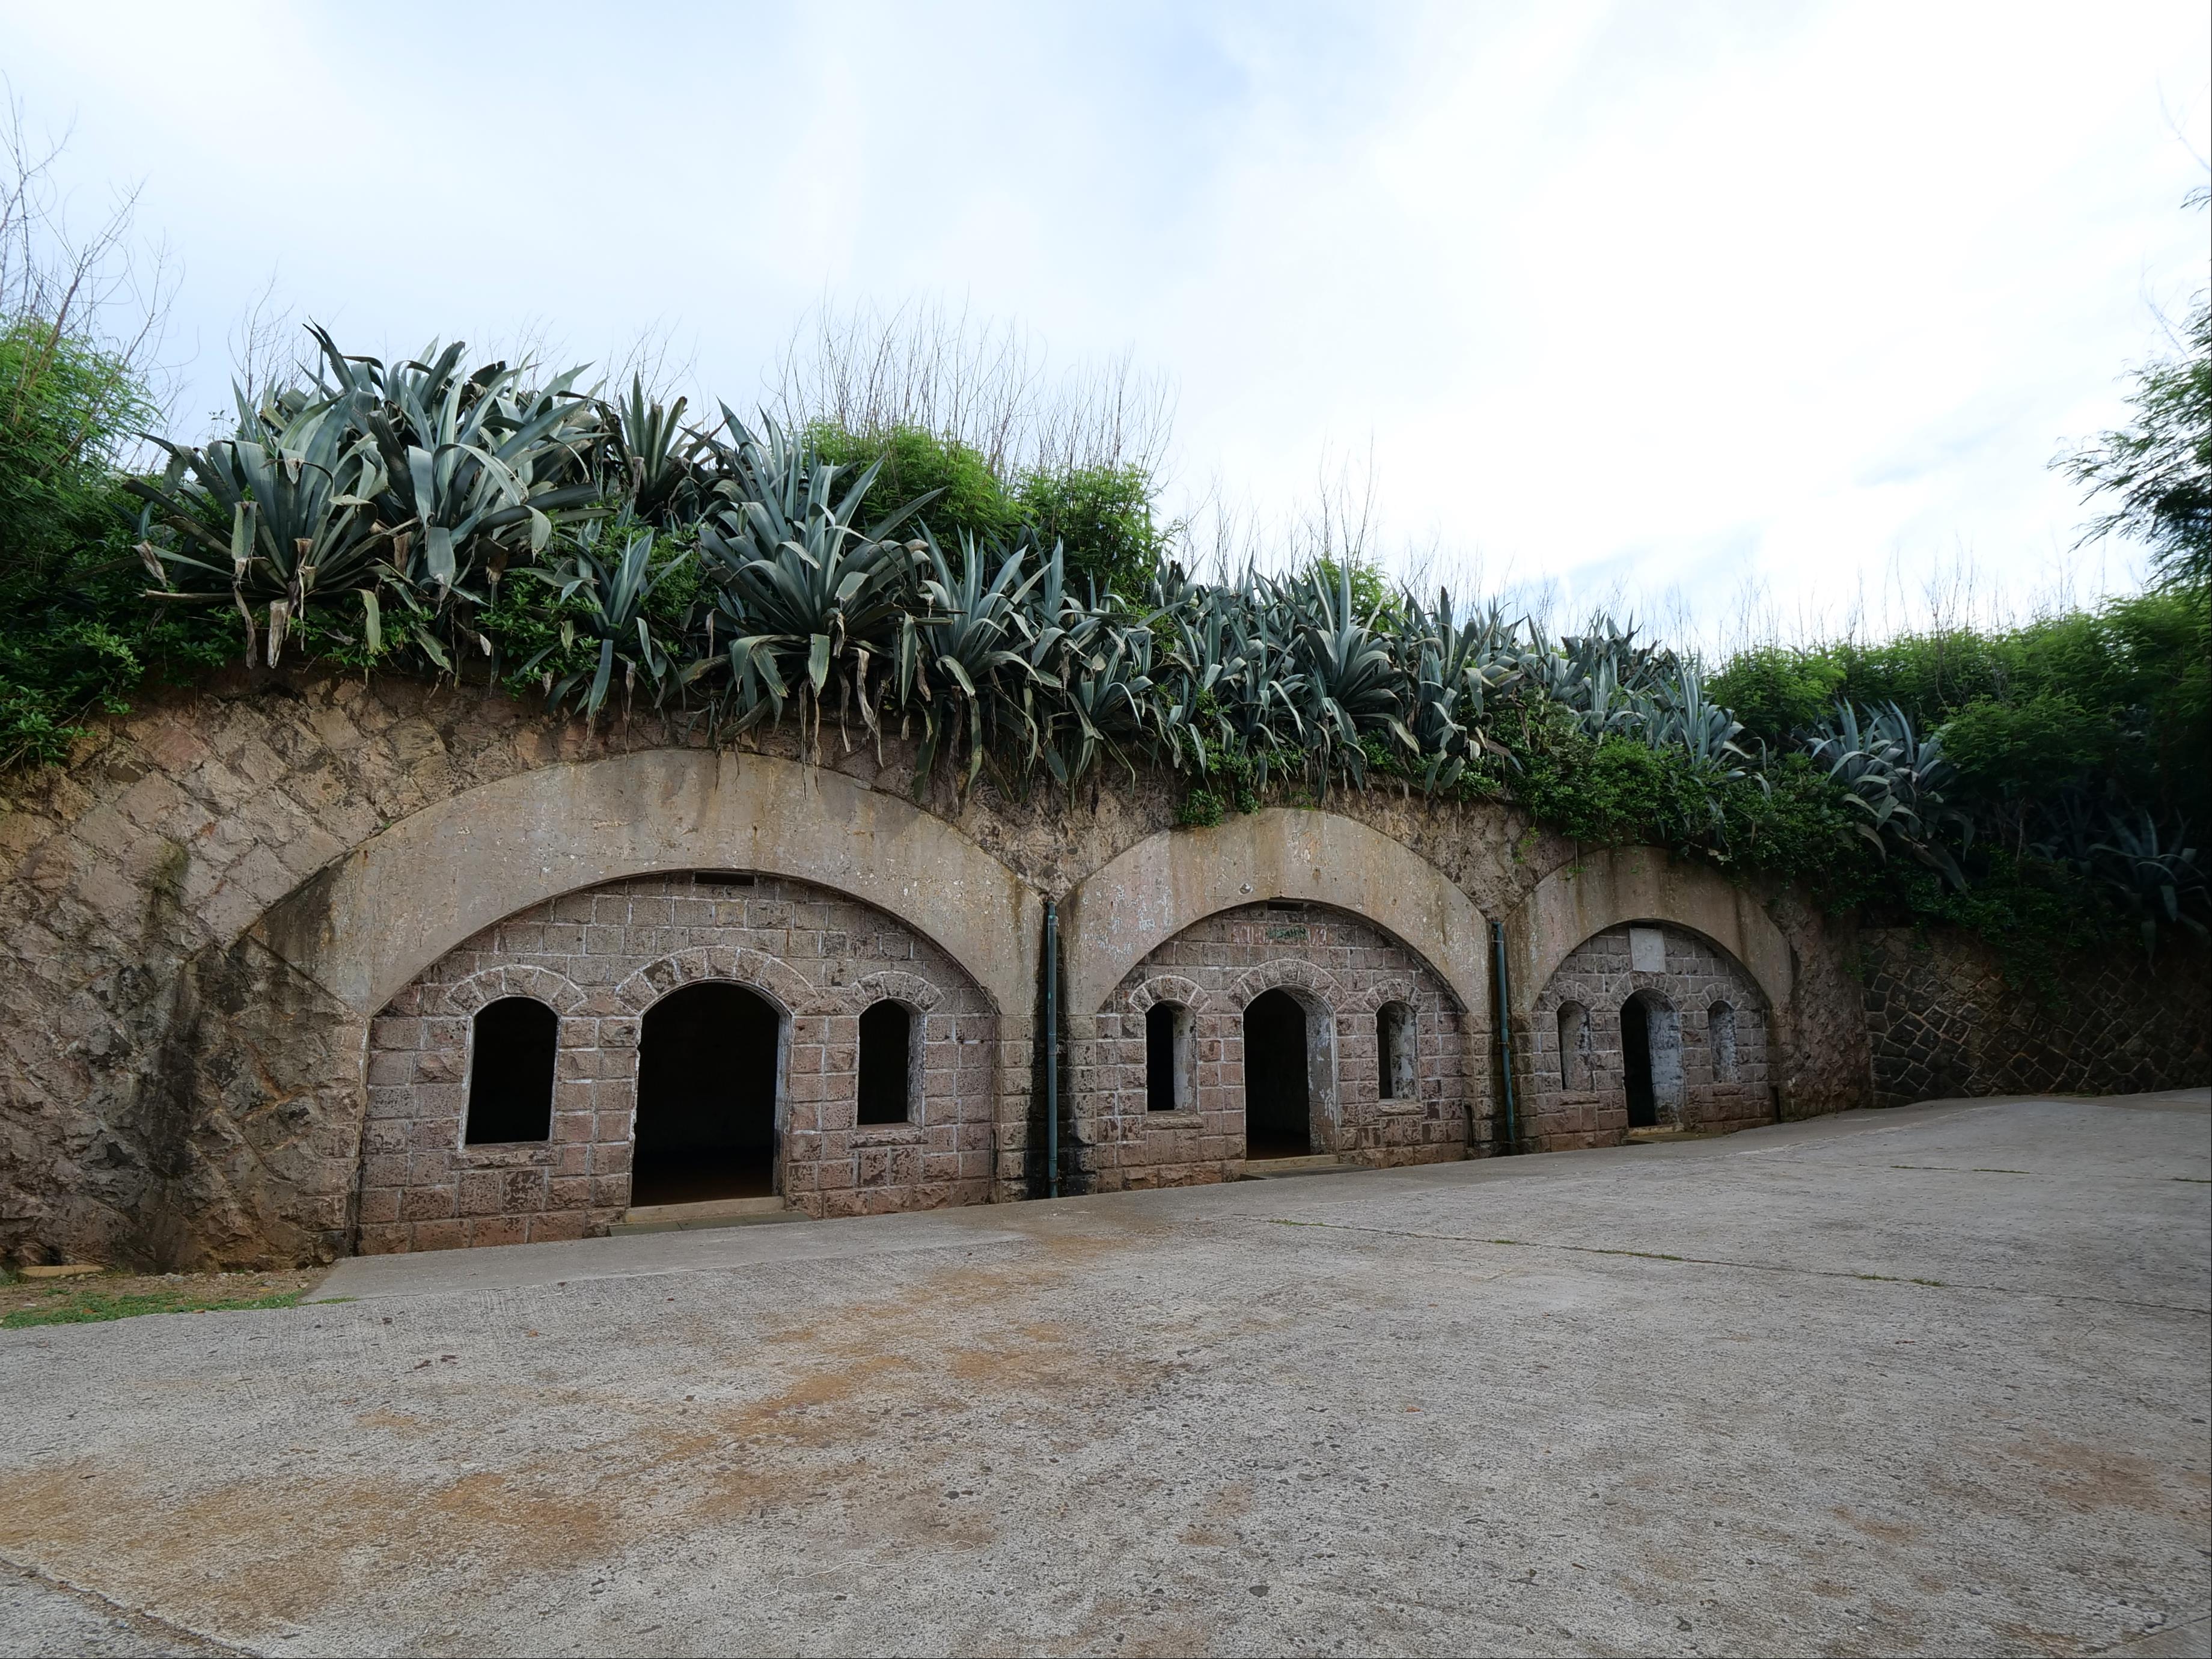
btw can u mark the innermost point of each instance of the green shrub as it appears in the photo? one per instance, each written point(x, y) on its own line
point(77, 633)
point(1102, 517)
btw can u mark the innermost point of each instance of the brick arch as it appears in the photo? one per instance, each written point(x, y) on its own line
point(1286, 973)
point(1118, 915)
point(756, 970)
point(1374, 997)
point(1171, 987)
point(366, 925)
point(891, 985)
point(556, 991)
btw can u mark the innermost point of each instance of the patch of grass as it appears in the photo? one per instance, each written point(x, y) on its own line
point(72, 1307)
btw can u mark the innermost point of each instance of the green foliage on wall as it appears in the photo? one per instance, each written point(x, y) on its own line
point(76, 637)
point(2040, 785)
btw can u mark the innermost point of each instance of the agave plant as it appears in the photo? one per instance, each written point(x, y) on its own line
point(1896, 780)
point(480, 466)
point(653, 458)
point(1458, 667)
point(971, 649)
point(800, 582)
point(612, 593)
point(277, 519)
point(1351, 685)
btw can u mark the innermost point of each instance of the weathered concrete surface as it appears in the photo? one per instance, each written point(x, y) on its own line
point(402, 898)
point(1119, 914)
point(1608, 886)
point(1703, 1402)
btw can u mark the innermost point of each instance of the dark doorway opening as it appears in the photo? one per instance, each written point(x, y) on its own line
point(1636, 1064)
point(1278, 1112)
point(706, 1098)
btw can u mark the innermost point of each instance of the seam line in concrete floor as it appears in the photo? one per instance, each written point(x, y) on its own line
point(1754, 1266)
point(145, 1622)
point(2181, 1637)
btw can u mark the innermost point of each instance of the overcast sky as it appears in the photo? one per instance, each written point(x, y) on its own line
point(1662, 299)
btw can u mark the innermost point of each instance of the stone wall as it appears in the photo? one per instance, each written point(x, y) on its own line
point(601, 959)
point(202, 912)
point(1576, 1095)
point(1943, 1019)
point(1344, 970)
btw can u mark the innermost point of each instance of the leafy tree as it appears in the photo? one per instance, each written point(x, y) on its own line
point(1775, 691)
point(2159, 470)
point(78, 636)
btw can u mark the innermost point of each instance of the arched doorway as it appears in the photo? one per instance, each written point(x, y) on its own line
point(1278, 1098)
point(706, 1096)
point(1651, 1060)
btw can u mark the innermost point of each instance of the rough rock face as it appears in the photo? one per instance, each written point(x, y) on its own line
point(1942, 1019)
point(173, 1091)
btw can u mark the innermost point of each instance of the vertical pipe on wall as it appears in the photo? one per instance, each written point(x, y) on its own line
point(1052, 1047)
point(1504, 1030)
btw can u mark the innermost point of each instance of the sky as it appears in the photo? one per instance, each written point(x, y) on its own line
point(1693, 310)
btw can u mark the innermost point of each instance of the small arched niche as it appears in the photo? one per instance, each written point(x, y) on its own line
point(1577, 1049)
point(1397, 1052)
point(513, 1042)
point(1720, 1039)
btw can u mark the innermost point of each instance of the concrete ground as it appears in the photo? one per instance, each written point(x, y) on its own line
point(1932, 1380)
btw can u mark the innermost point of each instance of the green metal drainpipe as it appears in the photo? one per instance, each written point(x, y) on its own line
point(1505, 1030)
point(1052, 1046)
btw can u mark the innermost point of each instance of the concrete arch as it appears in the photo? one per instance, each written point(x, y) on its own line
point(1623, 884)
point(1121, 913)
point(365, 926)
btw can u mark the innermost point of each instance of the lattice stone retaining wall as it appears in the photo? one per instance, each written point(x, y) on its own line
point(1942, 1020)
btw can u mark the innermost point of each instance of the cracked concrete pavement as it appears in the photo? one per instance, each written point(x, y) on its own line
point(1928, 1381)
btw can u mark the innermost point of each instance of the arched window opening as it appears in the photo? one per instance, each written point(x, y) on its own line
point(1720, 1031)
point(888, 1053)
point(512, 1043)
point(707, 1070)
point(1575, 1049)
point(1277, 1101)
point(1396, 1052)
point(1169, 1067)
